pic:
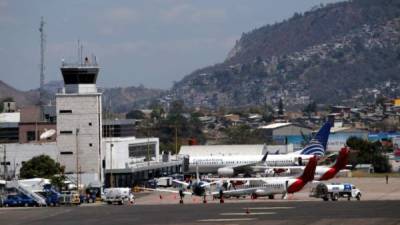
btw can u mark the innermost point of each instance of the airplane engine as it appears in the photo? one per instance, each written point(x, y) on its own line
point(226, 172)
point(269, 172)
point(260, 192)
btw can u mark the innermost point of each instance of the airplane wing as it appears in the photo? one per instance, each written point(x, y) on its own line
point(166, 190)
point(236, 192)
point(211, 183)
point(181, 182)
point(244, 168)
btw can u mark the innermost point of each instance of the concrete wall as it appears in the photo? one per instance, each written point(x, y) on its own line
point(86, 116)
point(120, 151)
point(16, 154)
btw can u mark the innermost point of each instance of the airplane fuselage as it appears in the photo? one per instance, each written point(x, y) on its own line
point(211, 164)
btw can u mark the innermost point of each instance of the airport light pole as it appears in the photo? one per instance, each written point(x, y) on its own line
point(176, 141)
point(5, 162)
point(111, 175)
point(77, 158)
point(148, 145)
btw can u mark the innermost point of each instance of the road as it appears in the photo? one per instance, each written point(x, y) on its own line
point(342, 212)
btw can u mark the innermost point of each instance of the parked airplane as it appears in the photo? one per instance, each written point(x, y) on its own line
point(198, 188)
point(271, 185)
point(227, 166)
point(254, 186)
point(321, 172)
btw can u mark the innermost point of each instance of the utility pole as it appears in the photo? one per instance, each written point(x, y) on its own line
point(5, 161)
point(42, 67)
point(176, 141)
point(77, 159)
point(148, 144)
point(111, 175)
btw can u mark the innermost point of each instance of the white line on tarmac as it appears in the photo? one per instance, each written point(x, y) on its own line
point(247, 214)
point(268, 208)
point(226, 220)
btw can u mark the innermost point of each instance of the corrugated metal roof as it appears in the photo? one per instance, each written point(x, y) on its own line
point(226, 150)
point(204, 150)
point(275, 125)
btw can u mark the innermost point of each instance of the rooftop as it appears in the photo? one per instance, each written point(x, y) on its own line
point(275, 125)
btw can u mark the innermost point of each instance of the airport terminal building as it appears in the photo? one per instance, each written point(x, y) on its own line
point(90, 155)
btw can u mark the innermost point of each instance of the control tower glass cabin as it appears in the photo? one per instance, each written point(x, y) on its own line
point(80, 78)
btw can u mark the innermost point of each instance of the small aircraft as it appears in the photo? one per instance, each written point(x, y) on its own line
point(198, 188)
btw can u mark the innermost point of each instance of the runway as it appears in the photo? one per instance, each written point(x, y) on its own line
point(342, 212)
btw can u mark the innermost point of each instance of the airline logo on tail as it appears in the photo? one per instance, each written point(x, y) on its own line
point(318, 144)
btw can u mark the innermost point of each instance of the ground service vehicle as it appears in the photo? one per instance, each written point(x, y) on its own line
point(118, 195)
point(69, 198)
point(164, 181)
point(335, 191)
point(18, 200)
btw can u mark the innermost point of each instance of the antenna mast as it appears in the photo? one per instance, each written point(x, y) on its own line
point(42, 67)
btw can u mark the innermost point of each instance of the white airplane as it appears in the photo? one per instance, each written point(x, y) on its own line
point(321, 172)
point(198, 188)
point(270, 186)
point(228, 166)
point(254, 186)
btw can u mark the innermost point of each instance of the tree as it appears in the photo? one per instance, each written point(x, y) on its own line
point(280, 107)
point(135, 114)
point(310, 108)
point(41, 166)
point(368, 152)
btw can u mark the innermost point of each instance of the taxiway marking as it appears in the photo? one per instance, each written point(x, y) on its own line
point(247, 214)
point(226, 219)
point(268, 208)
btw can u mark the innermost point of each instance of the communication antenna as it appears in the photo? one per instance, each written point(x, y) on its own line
point(42, 66)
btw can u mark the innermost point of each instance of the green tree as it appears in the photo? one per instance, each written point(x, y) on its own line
point(370, 153)
point(310, 108)
point(280, 107)
point(135, 114)
point(44, 167)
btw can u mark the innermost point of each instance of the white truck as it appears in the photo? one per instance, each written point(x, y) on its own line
point(164, 181)
point(118, 195)
point(335, 191)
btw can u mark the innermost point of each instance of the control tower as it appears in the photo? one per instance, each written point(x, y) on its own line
point(79, 123)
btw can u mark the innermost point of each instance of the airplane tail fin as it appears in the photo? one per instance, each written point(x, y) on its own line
point(309, 171)
point(323, 133)
point(264, 158)
point(342, 159)
point(318, 144)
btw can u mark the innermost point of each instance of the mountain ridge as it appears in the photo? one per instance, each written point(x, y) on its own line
point(306, 58)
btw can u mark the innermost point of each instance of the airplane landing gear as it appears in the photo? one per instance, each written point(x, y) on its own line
point(181, 195)
point(221, 197)
point(204, 199)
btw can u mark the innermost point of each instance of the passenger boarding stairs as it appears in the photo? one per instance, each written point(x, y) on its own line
point(36, 197)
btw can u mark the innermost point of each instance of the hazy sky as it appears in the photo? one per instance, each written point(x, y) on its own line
point(149, 42)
